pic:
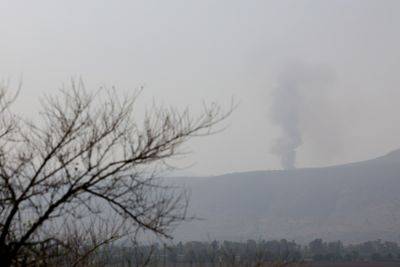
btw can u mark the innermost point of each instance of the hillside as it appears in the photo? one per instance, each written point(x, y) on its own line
point(352, 202)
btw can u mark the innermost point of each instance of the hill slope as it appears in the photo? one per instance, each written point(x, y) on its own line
point(352, 202)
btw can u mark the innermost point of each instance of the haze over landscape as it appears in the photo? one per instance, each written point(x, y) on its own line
point(186, 52)
point(278, 119)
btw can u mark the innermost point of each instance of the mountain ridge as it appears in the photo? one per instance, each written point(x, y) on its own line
point(353, 202)
point(393, 155)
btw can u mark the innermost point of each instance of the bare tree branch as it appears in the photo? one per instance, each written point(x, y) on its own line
point(89, 157)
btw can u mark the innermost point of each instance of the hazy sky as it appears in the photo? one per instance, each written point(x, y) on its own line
point(188, 51)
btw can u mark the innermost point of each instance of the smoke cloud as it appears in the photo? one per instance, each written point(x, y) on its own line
point(285, 114)
point(298, 90)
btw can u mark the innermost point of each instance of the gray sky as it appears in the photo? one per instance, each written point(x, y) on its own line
point(185, 52)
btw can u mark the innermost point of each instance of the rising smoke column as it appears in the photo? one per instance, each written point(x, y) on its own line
point(286, 108)
point(299, 96)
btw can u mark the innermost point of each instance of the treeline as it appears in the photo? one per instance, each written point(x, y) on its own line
point(253, 252)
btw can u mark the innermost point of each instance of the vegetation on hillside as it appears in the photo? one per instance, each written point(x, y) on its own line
point(249, 253)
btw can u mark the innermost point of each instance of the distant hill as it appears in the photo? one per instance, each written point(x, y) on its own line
point(352, 202)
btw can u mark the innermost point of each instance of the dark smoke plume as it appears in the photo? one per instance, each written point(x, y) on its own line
point(285, 114)
point(296, 84)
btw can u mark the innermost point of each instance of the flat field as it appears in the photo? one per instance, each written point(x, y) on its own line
point(311, 264)
point(356, 264)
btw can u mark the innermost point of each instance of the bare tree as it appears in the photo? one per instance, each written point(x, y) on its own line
point(87, 157)
point(86, 245)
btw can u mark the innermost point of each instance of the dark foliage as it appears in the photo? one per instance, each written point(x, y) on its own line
point(255, 253)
